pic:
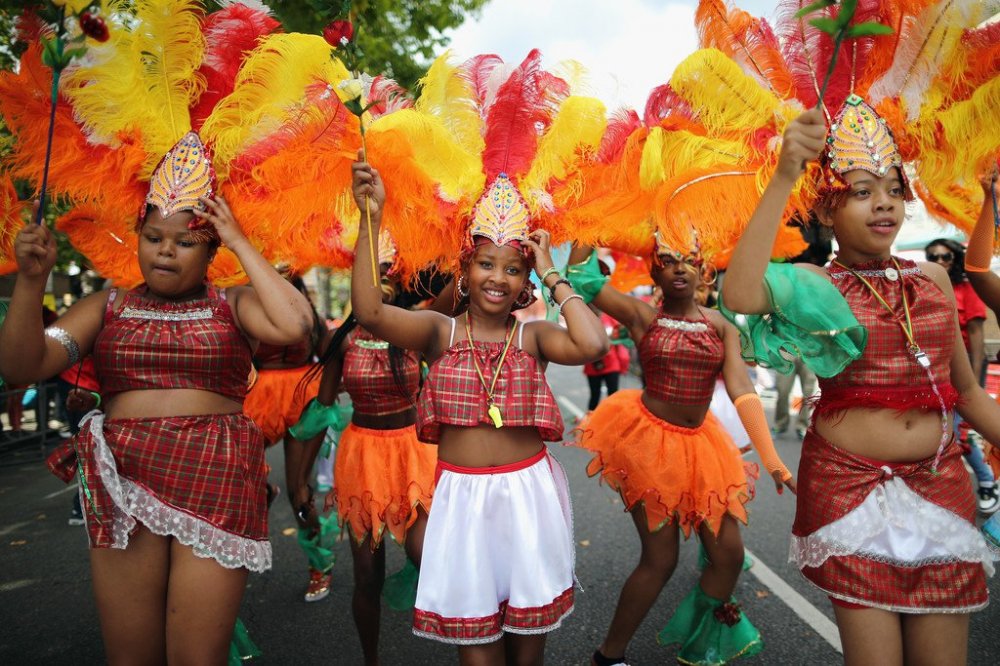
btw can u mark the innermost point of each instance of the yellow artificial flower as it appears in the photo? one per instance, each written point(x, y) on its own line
point(75, 6)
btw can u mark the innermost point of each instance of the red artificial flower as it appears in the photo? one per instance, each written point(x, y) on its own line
point(728, 613)
point(94, 27)
point(338, 33)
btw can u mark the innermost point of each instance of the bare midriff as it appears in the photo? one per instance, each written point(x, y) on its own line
point(487, 446)
point(153, 403)
point(393, 421)
point(884, 434)
point(685, 416)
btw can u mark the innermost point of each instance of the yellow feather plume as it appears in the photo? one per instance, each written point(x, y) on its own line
point(726, 98)
point(269, 93)
point(577, 128)
point(458, 172)
point(447, 96)
point(668, 153)
point(143, 79)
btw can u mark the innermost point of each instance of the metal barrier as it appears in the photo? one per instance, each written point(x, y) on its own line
point(35, 414)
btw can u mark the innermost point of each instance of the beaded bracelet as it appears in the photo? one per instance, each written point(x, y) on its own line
point(568, 299)
point(552, 289)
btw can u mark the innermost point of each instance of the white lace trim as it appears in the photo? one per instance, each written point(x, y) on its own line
point(896, 526)
point(131, 502)
point(680, 325)
point(129, 312)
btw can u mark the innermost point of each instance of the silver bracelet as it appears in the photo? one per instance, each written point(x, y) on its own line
point(61, 336)
point(567, 300)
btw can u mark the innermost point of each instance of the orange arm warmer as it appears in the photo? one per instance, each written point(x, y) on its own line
point(751, 412)
point(979, 254)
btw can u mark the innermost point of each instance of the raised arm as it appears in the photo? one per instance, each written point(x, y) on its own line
point(416, 330)
point(979, 255)
point(635, 314)
point(273, 310)
point(743, 289)
point(584, 338)
point(27, 353)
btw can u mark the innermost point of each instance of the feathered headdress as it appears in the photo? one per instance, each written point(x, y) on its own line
point(493, 140)
point(261, 101)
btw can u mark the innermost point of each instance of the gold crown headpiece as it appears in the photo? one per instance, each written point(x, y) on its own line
point(501, 214)
point(386, 248)
point(859, 139)
point(691, 256)
point(183, 176)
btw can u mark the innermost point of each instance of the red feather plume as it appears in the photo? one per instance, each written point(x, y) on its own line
point(665, 103)
point(621, 124)
point(230, 34)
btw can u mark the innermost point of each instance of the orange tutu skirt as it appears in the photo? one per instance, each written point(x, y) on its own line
point(381, 477)
point(686, 476)
point(274, 404)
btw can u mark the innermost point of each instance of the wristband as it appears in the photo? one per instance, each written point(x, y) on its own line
point(566, 300)
point(548, 271)
point(552, 289)
point(97, 397)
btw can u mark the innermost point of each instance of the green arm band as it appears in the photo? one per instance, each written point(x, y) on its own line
point(317, 417)
point(809, 319)
point(586, 278)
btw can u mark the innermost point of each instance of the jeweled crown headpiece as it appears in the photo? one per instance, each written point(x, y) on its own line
point(859, 139)
point(183, 176)
point(501, 214)
point(386, 248)
point(692, 256)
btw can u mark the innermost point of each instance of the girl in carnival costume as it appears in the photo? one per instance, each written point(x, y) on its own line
point(242, 87)
point(384, 475)
point(497, 565)
point(884, 519)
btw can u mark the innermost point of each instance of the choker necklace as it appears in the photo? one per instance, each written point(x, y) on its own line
point(493, 411)
point(918, 354)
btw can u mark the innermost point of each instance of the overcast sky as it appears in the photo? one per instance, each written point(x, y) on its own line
point(627, 46)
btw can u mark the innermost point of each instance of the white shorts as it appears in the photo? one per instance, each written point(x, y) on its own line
point(498, 553)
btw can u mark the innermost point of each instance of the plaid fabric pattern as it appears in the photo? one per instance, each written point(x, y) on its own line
point(886, 363)
point(832, 482)
point(367, 377)
point(472, 630)
point(154, 345)
point(454, 395)
point(297, 355)
point(211, 467)
point(681, 364)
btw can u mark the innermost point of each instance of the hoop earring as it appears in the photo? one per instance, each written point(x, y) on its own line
point(461, 288)
point(526, 297)
point(704, 276)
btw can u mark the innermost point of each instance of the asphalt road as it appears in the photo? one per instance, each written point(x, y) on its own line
point(48, 615)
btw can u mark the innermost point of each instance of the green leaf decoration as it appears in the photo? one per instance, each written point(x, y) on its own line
point(868, 28)
point(827, 25)
point(846, 13)
point(354, 106)
point(815, 7)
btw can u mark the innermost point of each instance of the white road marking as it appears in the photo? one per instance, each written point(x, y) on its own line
point(17, 584)
point(570, 406)
point(809, 614)
point(69, 488)
point(10, 528)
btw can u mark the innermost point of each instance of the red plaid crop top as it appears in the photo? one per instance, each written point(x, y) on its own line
point(887, 375)
point(292, 356)
point(367, 376)
point(681, 359)
point(453, 394)
point(150, 344)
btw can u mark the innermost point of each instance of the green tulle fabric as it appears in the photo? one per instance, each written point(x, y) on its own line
point(241, 648)
point(586, 278)
point(400, 591)
point(318, 545)
point(809, 319)
point(705, 640)
point(316, 417)
point(703, 559)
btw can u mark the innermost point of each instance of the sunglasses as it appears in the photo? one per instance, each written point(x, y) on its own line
point(947, 256)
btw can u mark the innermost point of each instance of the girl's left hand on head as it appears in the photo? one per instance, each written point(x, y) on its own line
point(539, 241)
point(219, 215)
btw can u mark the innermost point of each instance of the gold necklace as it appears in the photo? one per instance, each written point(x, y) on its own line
point(493, 411)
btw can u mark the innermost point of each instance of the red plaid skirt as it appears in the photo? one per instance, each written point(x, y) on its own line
point(200, 479)
point(833, 483)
